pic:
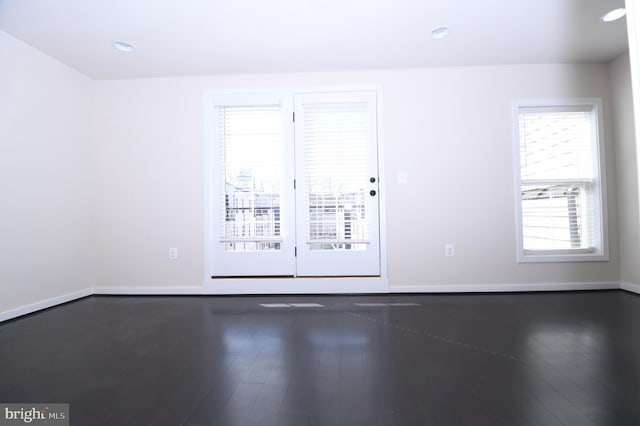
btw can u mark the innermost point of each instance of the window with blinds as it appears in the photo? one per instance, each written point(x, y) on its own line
point(251, 143)
point(336, 144)
point(560, 194)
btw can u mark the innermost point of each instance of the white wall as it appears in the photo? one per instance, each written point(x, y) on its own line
point(45, 247)
point(99, 178)
point(448, 129)
point(626, 169)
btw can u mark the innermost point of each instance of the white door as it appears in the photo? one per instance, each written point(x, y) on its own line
point(337, 228)
point(251, 223)
point(294, 197)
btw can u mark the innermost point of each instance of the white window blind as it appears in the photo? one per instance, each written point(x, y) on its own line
point(251, 144)
point(336, 143)
point(557, 143)
point(559, 180)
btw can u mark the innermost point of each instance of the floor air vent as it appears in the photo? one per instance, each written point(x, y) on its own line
point(387, 304)
point(291, 305)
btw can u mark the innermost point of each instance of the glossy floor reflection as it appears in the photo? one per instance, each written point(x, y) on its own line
point(503, 359)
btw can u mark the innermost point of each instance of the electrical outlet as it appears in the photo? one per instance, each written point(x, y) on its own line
point(449, 250)
point(173, 253)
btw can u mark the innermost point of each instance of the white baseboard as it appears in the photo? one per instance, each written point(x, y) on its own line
point(148, 291)
point(44, 304)
point(247, 286)
point(634, 288)
point(491, 288)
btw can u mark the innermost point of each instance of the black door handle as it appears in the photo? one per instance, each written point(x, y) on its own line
point(372, 193)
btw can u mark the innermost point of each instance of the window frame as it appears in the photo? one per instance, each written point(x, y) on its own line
point(601, 250)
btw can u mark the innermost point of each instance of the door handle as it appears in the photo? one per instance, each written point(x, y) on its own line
point(372, 193)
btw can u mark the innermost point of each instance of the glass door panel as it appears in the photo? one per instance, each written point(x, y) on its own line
point(254, 199)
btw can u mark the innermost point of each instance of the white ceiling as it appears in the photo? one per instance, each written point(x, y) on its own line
point(199, 37)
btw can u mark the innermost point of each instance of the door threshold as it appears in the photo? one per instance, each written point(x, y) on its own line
point(296, 285)
point(266, 277)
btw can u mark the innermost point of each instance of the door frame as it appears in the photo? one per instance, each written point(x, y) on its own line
point(288, 285)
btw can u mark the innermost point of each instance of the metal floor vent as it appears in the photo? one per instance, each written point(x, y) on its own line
point(387, 304)
point(291, 305)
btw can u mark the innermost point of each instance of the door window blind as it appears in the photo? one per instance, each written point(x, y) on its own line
point(251, 140)
point(336, 143)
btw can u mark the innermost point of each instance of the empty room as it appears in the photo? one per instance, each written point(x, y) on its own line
point(319, 213)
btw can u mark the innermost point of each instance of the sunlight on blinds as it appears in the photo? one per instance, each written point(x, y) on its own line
point(336, 140)
point(252, 147)
point(556, 145)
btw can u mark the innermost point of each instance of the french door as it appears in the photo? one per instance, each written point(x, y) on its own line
point(294, 185)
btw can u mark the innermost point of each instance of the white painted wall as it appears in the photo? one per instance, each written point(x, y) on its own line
point(148, 162)
point(458, 151)
point(45, 246)
point(626, 169)
point(448, 129)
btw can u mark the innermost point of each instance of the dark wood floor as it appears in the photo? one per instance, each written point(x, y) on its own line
point(503, 359)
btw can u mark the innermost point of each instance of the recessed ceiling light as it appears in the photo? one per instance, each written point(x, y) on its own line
point(440, 33)
point(123, 46)
point(614, 15)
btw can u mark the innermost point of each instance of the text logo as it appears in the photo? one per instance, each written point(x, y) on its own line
point(37, 414)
